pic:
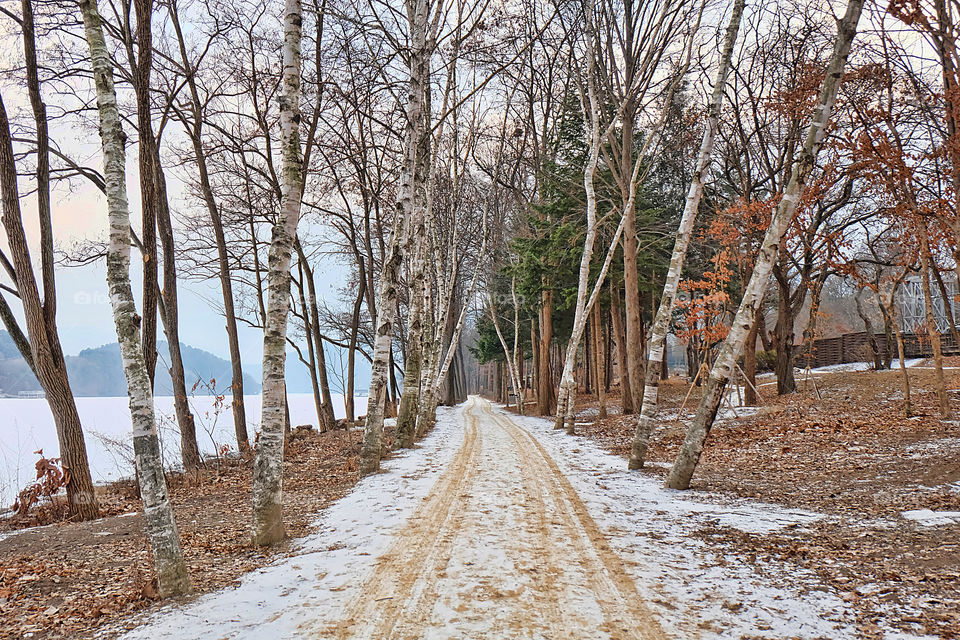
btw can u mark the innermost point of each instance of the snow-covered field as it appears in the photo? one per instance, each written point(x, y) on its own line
point(27, 426)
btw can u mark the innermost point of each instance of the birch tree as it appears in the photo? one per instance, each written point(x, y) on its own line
point(268, 526)
point(661, 323)
point(161, 527)
point(802, 167)
point(418, 14)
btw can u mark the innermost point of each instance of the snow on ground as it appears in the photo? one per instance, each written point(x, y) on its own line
point(928, 518)
point(693, 588)
point(696, 590)
point(325, 569)
point(846, 367)
point(28, 427)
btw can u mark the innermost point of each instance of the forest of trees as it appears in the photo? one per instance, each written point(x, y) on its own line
point(573, 180)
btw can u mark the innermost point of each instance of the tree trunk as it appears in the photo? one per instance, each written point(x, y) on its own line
point(511, 358)
point(632, 356)
point(226, 286)
point(904, 376)
point(626, 395)
point(348, 402)
point(46, 355)
point(931, 321)
point(888, 331)
point(142, 65)
point(810, 330)
point(229, 311)
point(600, 366)
point(189, 449)
point(783, 339)
point(410, 397)
point(389, 276)
point(311, 353)
point(664, 315)
point(802, 166)
point(42, 351)
point(750, 365)
point(326, 417)
point(161, 527)
point(546, 400)
point(268, 525)
point(868, 327)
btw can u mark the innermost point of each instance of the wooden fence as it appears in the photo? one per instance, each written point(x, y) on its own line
point(855, 347)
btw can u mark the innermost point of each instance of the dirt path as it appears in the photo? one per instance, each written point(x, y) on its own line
point(502, 547)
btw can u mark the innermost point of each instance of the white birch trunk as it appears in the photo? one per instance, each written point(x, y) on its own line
point(689, 455)
point(577, 334)
point(509, 357)
point(370, 450)
point(432, 341)
point(591, 118)
point(172, 578)
point(518, 381)
point(661, 324)
point(416, 343)
point(268, 462)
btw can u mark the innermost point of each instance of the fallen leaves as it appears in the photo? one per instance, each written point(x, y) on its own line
point(853, 455)
point(65, 580)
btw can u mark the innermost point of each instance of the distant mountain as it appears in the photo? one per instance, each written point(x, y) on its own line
point(99, 372)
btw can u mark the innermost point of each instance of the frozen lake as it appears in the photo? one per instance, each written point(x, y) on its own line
point(26, 425)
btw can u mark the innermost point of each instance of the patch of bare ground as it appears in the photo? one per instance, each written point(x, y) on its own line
point(69, 579)
point(848, 450)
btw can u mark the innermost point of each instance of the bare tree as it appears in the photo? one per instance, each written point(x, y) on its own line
point(162, 532)
point(801, 169)
point(41, 346)
point(268, 462)
point(661, 324)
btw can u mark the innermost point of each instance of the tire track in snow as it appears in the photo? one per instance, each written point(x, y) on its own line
point(615, 591)
point(384, 595)
point(502, 547)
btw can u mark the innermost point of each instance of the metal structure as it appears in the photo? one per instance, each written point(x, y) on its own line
point(911, 304)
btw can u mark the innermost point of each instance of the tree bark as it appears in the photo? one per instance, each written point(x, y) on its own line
point(348, 402)
point(802, 166)
point(142, 66)
point(195, 131)
point(868, 327)
point(189, 449)
point(664, 315)
point(42, 350)
point(599, 365)
point(268, 525)
point(750, 366)
point(626, 395)
point(931, 321)
point(783, 339)
point(46, 356)
point(326, 416)
point(387, 295)
point(546, 399)
point(161, 527)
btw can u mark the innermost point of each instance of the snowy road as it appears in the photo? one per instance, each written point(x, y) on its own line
point(498, 526)
point(502, 547)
